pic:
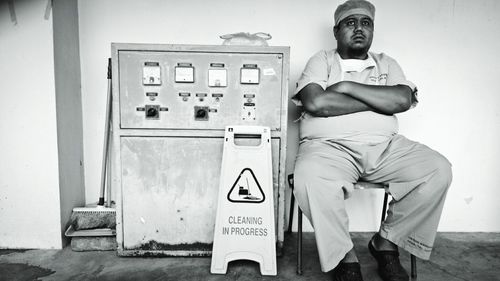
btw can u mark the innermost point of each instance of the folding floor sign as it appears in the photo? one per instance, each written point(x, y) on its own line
point(244, 226)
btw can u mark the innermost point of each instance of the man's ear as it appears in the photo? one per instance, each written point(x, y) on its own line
point(335, 30)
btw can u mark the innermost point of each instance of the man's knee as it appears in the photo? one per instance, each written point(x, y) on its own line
point(440, 179)
point(443, 172)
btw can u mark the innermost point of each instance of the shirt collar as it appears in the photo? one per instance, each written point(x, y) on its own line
point(350, 65)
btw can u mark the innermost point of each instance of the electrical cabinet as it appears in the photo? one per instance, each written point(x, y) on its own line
point(171, 104)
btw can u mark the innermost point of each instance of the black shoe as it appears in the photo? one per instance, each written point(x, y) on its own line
point(389, 267)
point(350, 271)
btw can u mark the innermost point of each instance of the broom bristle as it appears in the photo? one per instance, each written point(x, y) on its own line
point(94, 209)
point(92, 218)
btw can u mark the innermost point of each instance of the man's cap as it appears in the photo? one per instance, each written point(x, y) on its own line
point(354, 7)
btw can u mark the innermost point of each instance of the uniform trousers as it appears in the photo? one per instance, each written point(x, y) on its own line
point(417, 178)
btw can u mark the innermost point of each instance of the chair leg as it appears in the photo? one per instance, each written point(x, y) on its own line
point(299, 242)
point(290, 217)
point(384, 207)
point(413, 267)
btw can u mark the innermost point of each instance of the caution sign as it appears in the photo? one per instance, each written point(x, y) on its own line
point(246, 189)
point(244, 226)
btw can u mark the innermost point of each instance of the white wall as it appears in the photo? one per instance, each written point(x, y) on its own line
point(29, 184)
point(68, 107)
point(446, 47)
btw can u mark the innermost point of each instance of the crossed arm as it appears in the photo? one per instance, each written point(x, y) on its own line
point(347, 97)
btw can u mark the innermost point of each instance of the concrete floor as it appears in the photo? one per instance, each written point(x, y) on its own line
point(457, 256)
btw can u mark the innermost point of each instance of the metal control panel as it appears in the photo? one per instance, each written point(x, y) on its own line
point(171, 104)
point(196, 90)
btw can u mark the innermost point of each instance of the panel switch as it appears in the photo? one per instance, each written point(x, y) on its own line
point(201, 113)
point(152, 111)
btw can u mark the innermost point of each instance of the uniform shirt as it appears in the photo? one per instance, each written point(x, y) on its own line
point(326, 68)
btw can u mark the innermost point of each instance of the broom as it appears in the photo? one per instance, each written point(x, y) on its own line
point(100, 216)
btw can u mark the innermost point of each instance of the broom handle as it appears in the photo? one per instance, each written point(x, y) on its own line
point(108, 174)
point(108, 154)
point(106, 139)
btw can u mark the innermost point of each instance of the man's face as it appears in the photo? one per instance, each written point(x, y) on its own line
point(354, 35)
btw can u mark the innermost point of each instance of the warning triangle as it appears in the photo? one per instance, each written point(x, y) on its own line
point(246, 189)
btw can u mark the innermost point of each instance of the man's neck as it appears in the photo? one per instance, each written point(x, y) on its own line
point(356, 55)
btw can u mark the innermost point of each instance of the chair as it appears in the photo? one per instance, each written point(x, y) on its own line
point(358, 185)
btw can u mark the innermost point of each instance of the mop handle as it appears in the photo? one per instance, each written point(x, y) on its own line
point(106, 139)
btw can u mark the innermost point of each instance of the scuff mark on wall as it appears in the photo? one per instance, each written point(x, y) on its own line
point(453, 9)
point(12, 12)
point(48, 8)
